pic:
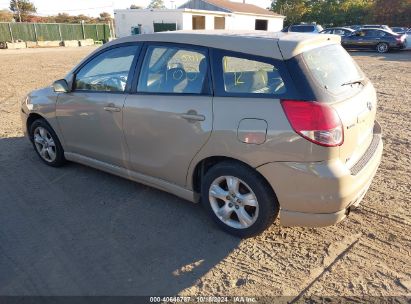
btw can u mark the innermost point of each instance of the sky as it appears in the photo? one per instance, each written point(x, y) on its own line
point(94, 7)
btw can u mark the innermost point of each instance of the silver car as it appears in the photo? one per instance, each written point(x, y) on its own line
point(254, 125)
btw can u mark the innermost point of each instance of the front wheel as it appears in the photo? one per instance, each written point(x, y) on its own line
point(46, 143)
point(238, 199)
point(382, 47)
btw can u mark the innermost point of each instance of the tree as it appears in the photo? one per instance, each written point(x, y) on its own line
point(105, 17)
point(133, 6)
point(6, 16)
point(392, 12)
point(327, 12)
point(22, 9)
point(63, 18)
point(156, 4)
point(294, 10)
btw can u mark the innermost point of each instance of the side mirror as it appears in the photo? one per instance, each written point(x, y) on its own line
point(61, 86)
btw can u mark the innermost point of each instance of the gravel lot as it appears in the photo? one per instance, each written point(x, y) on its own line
point(78, 231)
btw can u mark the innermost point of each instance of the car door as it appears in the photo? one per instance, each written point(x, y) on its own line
point(371, 38)
point(169, 118)
point(360, 39)
point(90, 115)
point(350, 41)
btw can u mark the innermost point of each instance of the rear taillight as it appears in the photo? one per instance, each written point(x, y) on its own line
point(400, 38)
point(319, 123)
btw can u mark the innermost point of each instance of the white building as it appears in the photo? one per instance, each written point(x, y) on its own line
point(197, 15)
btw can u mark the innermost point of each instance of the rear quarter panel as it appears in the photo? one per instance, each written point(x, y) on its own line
point(282, 143)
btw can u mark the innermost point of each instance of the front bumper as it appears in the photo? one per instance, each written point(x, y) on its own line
point(321, 193)
point(24, 115)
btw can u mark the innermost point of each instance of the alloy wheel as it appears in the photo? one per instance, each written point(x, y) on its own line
point(233, 202)
point(45, 144)
point(382, 48)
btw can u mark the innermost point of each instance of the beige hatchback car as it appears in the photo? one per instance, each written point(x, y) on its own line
point(253, 125)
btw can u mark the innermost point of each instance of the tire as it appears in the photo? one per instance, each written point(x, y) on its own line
point(382, 47)
point(253, 196)
point(46, 143)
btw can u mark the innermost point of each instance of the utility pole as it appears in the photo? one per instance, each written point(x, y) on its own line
point(18, 10)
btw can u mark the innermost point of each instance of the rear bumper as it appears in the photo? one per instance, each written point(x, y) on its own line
point(399, 45)
point(321, 193)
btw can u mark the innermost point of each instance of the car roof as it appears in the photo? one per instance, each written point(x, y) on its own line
point(339, 28)
point(308, 24)
point(259, 43)
point(375, 29)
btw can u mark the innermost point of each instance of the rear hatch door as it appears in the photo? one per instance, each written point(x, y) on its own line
point(336, 80)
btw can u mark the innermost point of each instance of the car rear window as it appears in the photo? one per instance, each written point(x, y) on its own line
point(332, 67)
point(302, 28)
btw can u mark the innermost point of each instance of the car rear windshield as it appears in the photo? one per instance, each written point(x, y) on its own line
point(332, 68)
point(302, 28)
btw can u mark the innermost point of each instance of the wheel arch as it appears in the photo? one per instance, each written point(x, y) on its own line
point(32, 118)
point(204, 165)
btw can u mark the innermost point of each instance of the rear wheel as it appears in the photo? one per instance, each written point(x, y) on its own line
point(382, 47)
point(46, 143)
point(238, 199)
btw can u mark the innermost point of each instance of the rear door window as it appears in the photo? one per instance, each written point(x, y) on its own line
point(175, 70)
point(251, 77)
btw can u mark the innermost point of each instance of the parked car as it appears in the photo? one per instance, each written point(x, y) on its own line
point(340, 31)
point(303, 28)
point(251, 125)
point(399, 30)
point(377, 26)
point(354, 27)
point(378, 39)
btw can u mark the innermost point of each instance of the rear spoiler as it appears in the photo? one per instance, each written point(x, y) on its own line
point(295, 44)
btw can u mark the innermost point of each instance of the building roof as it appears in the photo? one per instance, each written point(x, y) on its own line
point(228, 6)
point(237, 7)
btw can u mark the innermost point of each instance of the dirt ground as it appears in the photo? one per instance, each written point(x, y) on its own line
point(78, 231)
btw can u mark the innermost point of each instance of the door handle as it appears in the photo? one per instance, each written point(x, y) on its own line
point(192, 116)
point(112, 109)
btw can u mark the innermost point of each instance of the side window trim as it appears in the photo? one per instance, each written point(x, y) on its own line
point(208, 87)
point(130, 74)
point(218, 78)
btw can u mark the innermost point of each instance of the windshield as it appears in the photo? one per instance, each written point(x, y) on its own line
point(302, 28)
point(332, 68)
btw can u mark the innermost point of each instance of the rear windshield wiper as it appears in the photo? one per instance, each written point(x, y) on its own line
point(351, 82)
